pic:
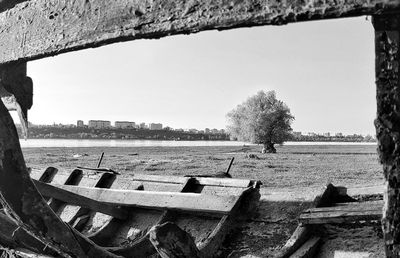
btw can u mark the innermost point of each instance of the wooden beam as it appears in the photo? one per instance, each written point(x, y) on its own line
point(330, 195)
point(171, 241)
point(189, 202)
point(345, 212)
point(308, 249)
point(69, 197)
point(36, 29)
point(223, 182)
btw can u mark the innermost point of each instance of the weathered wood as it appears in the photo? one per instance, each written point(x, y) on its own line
point(349, 206)
point(387, 123)
point(170, 241)
point(35, 29)
point(25, 204)
point(106, 181)
point(223, 182)
point(330, 194)
point(346, 212)
point(104, 235)
point(243, 209)
point(301, 234)
point(143, 247)
point(72, 179)
point(16, 91)
point(70, 212)
point(188, 202)
point(70, 197)
point(13, 236)
point(308, 249)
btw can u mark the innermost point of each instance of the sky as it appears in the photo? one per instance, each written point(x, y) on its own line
point(323, 70)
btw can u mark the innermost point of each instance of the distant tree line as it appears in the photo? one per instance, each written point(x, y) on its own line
point(51, 132)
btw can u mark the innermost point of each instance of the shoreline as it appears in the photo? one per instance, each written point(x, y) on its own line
point(75, 143)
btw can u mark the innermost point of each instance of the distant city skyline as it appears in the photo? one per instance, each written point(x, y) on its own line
point(133, 124)
point(324, 72)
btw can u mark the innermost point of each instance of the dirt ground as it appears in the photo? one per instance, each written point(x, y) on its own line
point(291, 179)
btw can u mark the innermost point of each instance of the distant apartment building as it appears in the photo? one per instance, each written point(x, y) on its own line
point(155, 126)
point(124, 124)
point(99, 124)
point(143, 126)
point(327, 134)
point(79, 123)
point(312, 134)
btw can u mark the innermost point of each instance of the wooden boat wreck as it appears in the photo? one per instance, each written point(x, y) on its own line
point(121, 214)
point(333, 206)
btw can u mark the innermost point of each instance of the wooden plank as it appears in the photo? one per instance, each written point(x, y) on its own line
point(349, 206)
point(45, 176)
point(242, 211)
point(57, 192)
point(302, 233)
point(106, 181)
point(308, 249)
point(157, 178)
point(66, 179)
point(189, 202)
point(143, 247)
point(296, 240)
point(223, 182)
point(171, 241)
point(106, 231)
point(68, 212)
point(340, 216)
point(36, 29)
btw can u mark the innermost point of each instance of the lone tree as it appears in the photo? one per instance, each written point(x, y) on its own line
point(261, 119)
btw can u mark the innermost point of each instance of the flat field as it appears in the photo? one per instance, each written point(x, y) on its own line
point(290, 167)
point(291, 179)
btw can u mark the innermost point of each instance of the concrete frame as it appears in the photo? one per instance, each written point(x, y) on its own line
point(40, 28)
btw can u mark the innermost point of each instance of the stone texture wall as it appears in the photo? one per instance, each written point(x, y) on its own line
point(387, 40)
point(34, 29)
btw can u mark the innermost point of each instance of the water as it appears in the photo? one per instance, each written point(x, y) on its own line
point(37, 143)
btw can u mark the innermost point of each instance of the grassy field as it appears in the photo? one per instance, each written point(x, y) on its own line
point(291, 167)
point(289, 179)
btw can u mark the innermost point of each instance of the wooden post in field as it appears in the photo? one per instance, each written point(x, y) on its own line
point(387, 123)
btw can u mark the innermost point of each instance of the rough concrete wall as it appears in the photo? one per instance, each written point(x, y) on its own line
point(387, 41)
point(34, 29)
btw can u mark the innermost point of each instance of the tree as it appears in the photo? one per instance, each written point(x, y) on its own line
point(261, 119)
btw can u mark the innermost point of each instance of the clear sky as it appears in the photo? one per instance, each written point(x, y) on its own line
point(323, 70)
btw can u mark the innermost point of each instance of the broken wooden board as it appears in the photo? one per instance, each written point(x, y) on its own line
point(214, 227)
point(343, 212)
point(36, 29)
point(302, 234)
point(58, 193)
point(188, 202)
point(171, 241)
point(226, 182)
point(308, 249)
